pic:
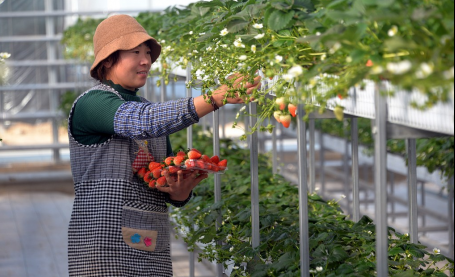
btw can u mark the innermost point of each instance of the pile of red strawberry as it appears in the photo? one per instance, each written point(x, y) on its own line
point(192, 160)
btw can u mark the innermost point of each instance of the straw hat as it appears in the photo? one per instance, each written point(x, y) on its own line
point(120, 32)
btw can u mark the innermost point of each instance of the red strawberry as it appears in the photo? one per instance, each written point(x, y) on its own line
point(169, 161)
point(141, 172)
point(292, 109)
point(194, 155)
point(157, 173)
point(206, 159)
point(164, 172)
point(178, 161)
point(154, 165)
point(281, 102)
point(223, 164)
point(161, 182)
point(152, 184)
point(286, 120)
point(215, 159)
point(148, 176)
point(369, 63)
point(181, 154)
point(201, 164)
point(190, 164)
point(173, 169)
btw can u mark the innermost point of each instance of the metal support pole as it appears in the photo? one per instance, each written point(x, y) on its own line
point(450, 223)
point(392, 192)
point(216, 151)
point(312, 163)
point(322, 161)
point(274, 149)
point(355, 169)
point(412, 190)
point(189, 93)
point(189, 138)
point(163, 90)
point(52, 75)
point(254, 159)
point(173, 91)
point(380, 135)
point(303, 196)
point(423, 204)
point(347, 186)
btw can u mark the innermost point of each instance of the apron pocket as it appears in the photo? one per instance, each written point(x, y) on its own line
point(145, 230)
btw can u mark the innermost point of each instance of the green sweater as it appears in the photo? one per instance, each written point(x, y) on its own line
point(93, 116)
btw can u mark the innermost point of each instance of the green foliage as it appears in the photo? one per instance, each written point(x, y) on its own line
point(433, 154)
point(338, 246)
point(78, 40)
point(409, 42)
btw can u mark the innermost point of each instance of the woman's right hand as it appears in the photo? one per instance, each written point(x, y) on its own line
point(219, 95)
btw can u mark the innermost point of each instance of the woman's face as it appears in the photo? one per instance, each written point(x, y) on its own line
point(132, 68)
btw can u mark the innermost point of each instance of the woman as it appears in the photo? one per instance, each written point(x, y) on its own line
point(120, 227)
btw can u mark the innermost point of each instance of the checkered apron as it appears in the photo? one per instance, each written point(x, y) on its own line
point(119, 227)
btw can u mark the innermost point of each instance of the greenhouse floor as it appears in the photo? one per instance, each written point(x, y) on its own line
point(33, 234)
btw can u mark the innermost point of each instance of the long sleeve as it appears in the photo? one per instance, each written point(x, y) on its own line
point(152, 120)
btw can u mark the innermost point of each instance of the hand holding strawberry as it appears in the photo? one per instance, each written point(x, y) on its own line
point(180, 189)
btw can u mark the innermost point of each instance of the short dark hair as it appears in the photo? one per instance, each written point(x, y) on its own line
point(100, 72)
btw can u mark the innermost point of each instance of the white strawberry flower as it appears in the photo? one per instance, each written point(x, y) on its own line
point(238, 43)
point(260, 36)
point(296, 71)
point(191, 33)
point(278, 59)
point(319, 269)
point(393, 31)
point(4, 55)
point(399, 68)
point(424, 71)
point(288, 77)
point(258, 26)
point(436, 251)
point(335, 48)
point(449, 74)
point(253, 48)
point(224, 32)
point(243, 58)
point(376, 70)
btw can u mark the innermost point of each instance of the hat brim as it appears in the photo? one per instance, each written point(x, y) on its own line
point(127, 42)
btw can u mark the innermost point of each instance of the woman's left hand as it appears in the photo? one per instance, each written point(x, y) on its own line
point(181, 187)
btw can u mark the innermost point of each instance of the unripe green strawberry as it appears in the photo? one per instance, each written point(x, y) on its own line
point(339, 113)
point(281, 102)
point(277, 116)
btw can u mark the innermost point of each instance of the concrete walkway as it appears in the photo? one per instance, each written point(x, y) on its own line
point(33, 236)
